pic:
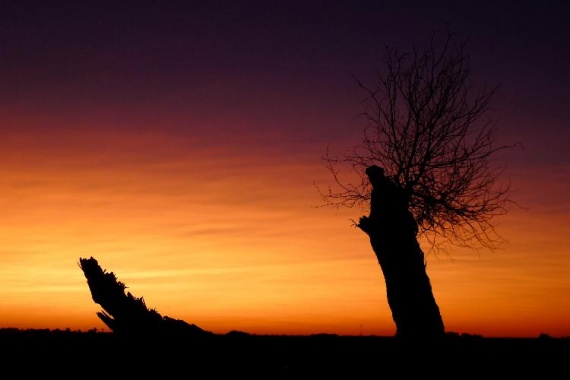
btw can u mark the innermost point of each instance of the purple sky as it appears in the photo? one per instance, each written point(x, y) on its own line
point(287, 62)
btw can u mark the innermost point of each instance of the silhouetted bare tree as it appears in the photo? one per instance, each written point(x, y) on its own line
point(425, 167)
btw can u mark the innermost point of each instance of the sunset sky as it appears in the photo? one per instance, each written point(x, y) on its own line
point(179, 143)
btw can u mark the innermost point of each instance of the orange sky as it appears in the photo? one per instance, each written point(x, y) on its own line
point(192, 179)
point(238, 244)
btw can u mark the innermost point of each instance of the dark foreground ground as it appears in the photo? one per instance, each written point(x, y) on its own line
point(86, 355)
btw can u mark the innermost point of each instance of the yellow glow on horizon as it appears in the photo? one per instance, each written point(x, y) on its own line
point(235, 242)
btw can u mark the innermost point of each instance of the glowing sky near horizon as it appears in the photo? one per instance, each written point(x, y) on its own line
point(180, 146)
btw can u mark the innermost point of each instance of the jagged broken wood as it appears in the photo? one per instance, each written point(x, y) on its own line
point(126, 314)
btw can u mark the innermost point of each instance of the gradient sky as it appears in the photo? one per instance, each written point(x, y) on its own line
point(179, 143)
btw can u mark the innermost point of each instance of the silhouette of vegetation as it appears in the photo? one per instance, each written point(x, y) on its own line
point(392, 232)
point(425, 170)
point(125, 314)
point(426, 130)
point(73, 354)
point(150, 349)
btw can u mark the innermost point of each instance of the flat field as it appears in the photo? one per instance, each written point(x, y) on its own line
point(86, 355)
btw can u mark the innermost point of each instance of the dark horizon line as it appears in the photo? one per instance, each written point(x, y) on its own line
point(96, 330)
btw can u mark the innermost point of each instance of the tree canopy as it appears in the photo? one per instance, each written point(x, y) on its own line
point(426, 127)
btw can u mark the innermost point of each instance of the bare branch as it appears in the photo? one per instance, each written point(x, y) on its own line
point(425, 127)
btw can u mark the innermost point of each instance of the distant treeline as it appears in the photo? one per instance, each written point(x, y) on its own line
point(452, 336)
point(74, 354)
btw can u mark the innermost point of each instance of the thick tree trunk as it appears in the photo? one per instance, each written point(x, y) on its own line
point(393, 235)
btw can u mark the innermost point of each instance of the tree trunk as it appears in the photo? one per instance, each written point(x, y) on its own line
point(126, 314)
point(393, 235)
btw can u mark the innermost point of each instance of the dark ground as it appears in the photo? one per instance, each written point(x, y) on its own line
point(85, 355)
